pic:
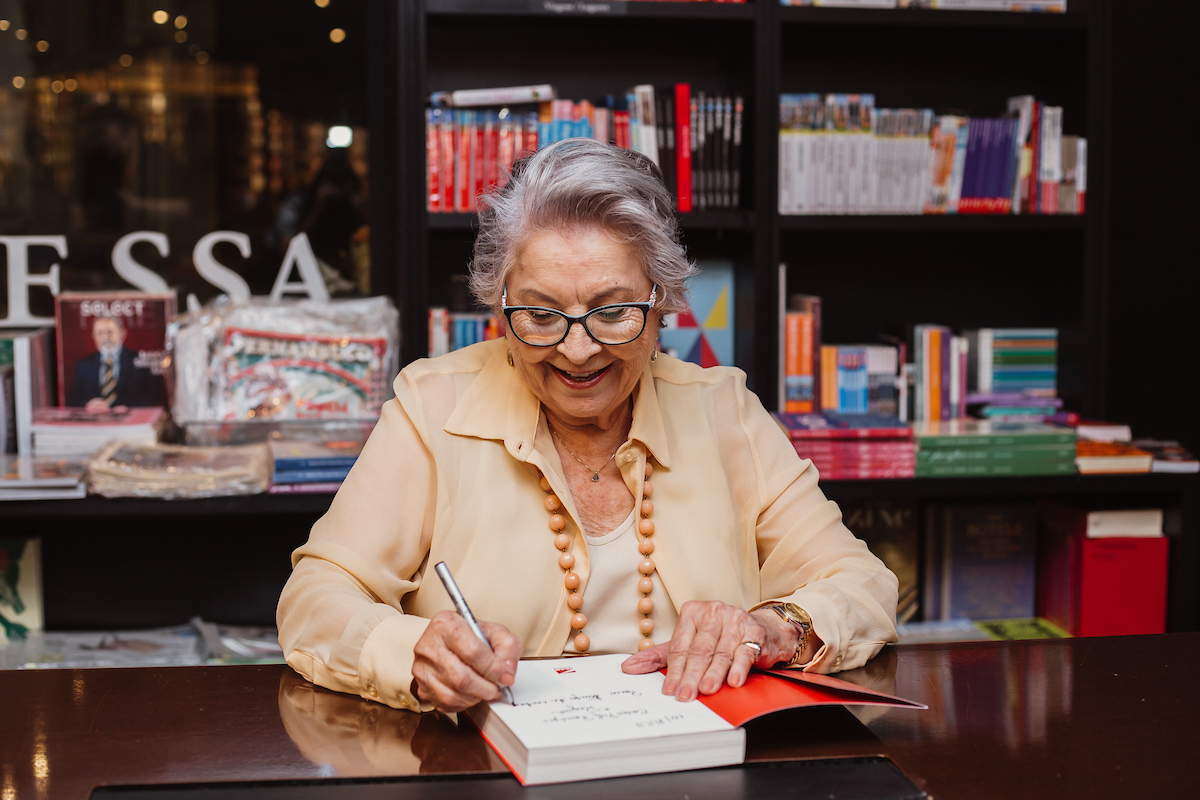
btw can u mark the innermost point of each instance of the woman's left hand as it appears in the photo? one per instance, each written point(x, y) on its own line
point(708, 648)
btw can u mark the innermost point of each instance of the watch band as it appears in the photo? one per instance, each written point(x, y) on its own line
point(799, 618)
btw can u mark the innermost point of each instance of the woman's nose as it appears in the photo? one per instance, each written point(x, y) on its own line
point(578, 346)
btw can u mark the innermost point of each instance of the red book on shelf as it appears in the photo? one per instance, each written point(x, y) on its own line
point(683, 146)
point(1100, 586)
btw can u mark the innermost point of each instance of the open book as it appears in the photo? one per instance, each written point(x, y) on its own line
point(577, 719)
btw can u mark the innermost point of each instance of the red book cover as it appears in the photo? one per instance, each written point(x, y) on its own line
point(462, 162)
point(446, 146)
point(126, 328)
point(529, 144)
point(1035, 139)
point(779, 689)
point(621, 128)
point(1110, 586)
point(491, 153)
point(478, 164)
point(506, 149)
point(433, 171)
point(1122, 585)
point(683, 146)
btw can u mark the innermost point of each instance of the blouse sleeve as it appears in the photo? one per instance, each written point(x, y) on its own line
point(340, 621)
point(808, 557)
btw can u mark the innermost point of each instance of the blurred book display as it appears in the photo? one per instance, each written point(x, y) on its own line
point(312, 465)
point(472, 138)
point(840, 154)
point(980, 561)
point(1169, 455)
point(112, 348)
point(1103, 572)
point(198, 642)
point(703, 332)
point(42, 477)
point(892, 531)
point(969, 447)
point(1093, 457)
point(965, 630)
point(30, 354)
point(170, 471)
point(850, 446)
point(20, 587)
point(259, 360)
point(78, 432)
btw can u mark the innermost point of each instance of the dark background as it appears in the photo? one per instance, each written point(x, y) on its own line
point(1152, 377)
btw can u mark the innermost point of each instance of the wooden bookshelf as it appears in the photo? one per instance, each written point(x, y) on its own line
point(965, 271)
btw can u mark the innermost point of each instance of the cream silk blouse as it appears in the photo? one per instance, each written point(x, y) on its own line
point(451, 474)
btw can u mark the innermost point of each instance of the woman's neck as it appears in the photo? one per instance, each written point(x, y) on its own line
point(596, 438)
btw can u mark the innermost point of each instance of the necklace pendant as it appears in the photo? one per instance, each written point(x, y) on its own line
point(595, 477)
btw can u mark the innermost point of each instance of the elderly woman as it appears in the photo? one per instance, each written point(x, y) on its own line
point(590, 494)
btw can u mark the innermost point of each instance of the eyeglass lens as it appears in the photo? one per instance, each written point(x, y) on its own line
point(617, 325)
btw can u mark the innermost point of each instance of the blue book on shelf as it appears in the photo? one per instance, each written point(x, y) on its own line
point(304, 455)
point(310, 475)
point(988, 557)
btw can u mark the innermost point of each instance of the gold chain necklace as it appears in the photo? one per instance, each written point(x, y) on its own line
point(595, 472)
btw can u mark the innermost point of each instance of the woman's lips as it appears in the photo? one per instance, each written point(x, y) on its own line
point(577, 380)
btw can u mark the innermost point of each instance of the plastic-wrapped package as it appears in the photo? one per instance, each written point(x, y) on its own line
point(260, 359)
point(170, 472)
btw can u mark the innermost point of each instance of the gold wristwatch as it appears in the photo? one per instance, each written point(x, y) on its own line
point(798, 617)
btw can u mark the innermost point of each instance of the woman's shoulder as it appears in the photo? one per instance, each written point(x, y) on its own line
point(675, 371)
point(470, 359)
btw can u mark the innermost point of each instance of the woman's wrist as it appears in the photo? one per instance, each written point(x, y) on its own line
point(783, 637)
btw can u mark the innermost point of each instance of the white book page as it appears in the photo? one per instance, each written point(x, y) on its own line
point(565, 702)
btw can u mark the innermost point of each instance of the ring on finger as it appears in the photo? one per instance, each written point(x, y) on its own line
point(755, 646)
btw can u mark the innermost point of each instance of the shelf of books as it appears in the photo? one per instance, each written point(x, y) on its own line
point(960, 16)
point(594, 9)
point(932, 224)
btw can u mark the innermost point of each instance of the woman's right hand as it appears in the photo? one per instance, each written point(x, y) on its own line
point(453, 668)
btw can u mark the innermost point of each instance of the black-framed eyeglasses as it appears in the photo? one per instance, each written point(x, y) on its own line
point(613, 324)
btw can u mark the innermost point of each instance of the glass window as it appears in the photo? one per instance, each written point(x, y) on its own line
point(185, 117)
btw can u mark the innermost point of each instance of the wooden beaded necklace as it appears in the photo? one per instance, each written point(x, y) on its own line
point(562, 541)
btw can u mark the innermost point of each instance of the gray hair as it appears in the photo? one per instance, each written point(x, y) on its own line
point(581, 183)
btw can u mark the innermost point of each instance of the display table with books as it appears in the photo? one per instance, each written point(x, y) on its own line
point(1097, 718)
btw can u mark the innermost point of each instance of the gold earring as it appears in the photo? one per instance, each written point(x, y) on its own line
point(654, 355)
point(510, 361)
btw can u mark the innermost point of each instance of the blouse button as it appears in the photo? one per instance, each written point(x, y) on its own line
point(371, 690)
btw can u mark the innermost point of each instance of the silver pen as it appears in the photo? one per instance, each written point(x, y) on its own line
point(464, 611)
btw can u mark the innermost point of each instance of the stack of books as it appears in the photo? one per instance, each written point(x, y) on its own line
point(42, 477)
point(1013, 360)
point(1098, 458)
point(76, 432)
point(1012, 406)
point(860, 379)
point(969, 447)
point(451, 330)
point(939, 373)
point(311, 467)
point(839, 154)
point(852, 446)
point(473, 136)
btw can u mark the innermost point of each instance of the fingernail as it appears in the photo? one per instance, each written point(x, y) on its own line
point(669, 687)
point(686, 696)
point(708, 686)
point(512, 665)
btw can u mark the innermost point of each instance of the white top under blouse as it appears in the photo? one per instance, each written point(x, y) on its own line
point(611, 596)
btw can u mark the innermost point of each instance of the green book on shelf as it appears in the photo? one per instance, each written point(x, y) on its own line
point(994, 454)
point(987, 433)
point(1025, 466)
point(1024, 628)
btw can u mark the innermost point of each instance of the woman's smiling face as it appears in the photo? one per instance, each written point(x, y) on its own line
point(580, 381)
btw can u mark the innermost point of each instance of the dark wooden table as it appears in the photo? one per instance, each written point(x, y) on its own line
point(1106, 717)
